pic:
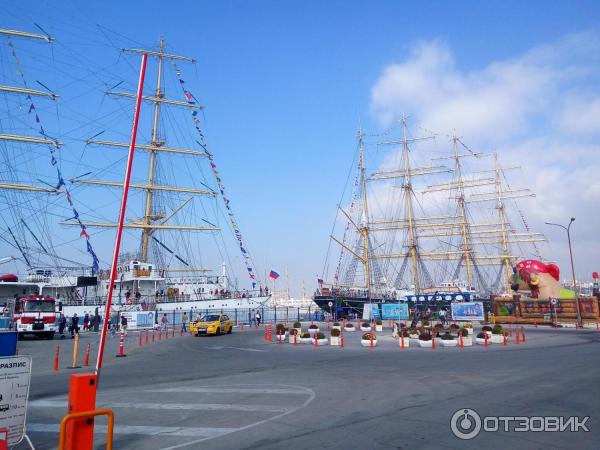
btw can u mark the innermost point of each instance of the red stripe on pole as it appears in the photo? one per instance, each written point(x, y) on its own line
point(113, 269)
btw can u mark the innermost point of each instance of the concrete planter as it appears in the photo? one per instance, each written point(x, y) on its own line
point(312, 331)
point(365, 328)
point(306, 340)
point(367, 342)
point(469, 330)
point(467, 341)
point(406, 342)
point(378, 327)
point(425, 344)
point(497, 339)
point(349, 329)
point(335, 340)
point(450, 343)
point(321, 341)
point(481, 341)
point(281, 337)
point(291, 339)
point(336, 327)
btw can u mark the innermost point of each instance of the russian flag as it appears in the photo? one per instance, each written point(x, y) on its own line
point(273, 274)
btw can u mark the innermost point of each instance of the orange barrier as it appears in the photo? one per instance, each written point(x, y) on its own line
point(78, 433)
point(56, 353)
point(63, 444)
point(121, 353)
point(4, 440)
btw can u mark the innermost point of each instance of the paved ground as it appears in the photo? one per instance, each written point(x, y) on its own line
point(238, 391)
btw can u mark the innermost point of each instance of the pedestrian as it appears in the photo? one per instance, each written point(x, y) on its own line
point(258, 317)
point(62, 325)
point(165, 322)
point(74, 326)
point(442, 315)
point(124, 324)
point(184, 321)
point(86, 321)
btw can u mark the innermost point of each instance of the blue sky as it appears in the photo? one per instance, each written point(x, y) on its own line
point(286, 85)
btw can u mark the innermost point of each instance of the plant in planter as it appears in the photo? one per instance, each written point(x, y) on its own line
point(349, 327)
point(469, 327)
point(365, 326)
point(466, 337)
point(313, 328)
point(438, 326)
point(336, 326)
point(306, 338)
point(378, 325)
point(454, 327)
point(335, 337)
point(425, 322)
point(413, 333)
point(280, 328)
point(320, 338)
point(487, 329)
point(497, 337)
point(366, 339)
point(481, 338)
point(448, 340)
point(294, 334)
point(425, 340)
point(297, 325)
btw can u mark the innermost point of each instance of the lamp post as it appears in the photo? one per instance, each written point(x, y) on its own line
point(568, 230)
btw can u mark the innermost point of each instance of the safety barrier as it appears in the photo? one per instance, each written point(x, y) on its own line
point(87, 415)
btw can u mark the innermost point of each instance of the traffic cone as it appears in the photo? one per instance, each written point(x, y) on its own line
point(523, 334)
point(56, 353)
point(121, 353)
point(460, 341)
point(504, 338)
point(485, 344)
point(316, 341)
point(433, 342)
point(371, 343)
point(147, 337)
point(402, 340)
point(87, 355)
point(517, 337)
point(140, 341)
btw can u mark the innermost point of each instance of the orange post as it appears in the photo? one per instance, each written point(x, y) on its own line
point(167, 333)
point(75, 352)
point(153, 336)
point(147, 339)
point(342, 340)
point(504, 338)
point(79, 434)
point(159, 335)
point(173, 331)
point(433, 342)
point(140, 340)
point(56, 353)
point(485, 343)
point(517, 337)
point(278, 337)
point(295, 340)
point(316, 341)
point(121, 353)
point(371, 343)
point(523, 334)
point(460, 341)
point(510, 330)
point(87, 355)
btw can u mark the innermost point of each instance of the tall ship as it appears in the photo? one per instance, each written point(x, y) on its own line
point(430, 225)
point(183, 240)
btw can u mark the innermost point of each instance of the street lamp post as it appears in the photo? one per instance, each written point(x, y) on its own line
point(568, 230)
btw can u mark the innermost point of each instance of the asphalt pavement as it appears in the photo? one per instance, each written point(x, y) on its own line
point(240, 392)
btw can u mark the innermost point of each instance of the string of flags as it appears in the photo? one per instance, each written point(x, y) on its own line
point(190, 99)
point(60, 180)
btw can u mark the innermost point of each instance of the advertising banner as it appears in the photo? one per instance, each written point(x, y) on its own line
point(394, 311)
point(467, 311)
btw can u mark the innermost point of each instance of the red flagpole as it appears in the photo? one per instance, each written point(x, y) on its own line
point(113, 269)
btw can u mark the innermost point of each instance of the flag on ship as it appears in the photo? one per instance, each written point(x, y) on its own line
point(273, 274)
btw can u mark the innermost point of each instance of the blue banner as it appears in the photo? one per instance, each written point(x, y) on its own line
point(375, 312)
point(394, 311)
point(467, 311)
point(448, 297)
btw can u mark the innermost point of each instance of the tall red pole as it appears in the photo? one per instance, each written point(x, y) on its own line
point(113, 269)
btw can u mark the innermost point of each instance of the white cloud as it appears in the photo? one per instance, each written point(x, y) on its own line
point(540, 110)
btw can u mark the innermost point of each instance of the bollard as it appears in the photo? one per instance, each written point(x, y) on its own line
point(402, 340)
point(121, 354)
point(316, 341)
point(510, 330)
point(278, 337)
point(371, 343)
point(153, 340)
point(56, 353)
point(504, 338)
point(517, 338)
point(181, 332)
point(460, 341)
point(295, 340)
point(75, 351)
point(140, 341)
point(433, 342)
point(147, 339)
point(342, 341)
point(87, 355)
point(523, 334)
point(485, 343)
point(167, 333)
point(173, 331)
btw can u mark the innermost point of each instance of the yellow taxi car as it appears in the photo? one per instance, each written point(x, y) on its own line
point(212, 324)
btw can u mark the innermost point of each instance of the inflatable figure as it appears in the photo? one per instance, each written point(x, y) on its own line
point(541, 279)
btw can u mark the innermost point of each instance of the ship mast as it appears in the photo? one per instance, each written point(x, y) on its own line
point(28, 139)
point(506, 263)
point(150, 222)
point(364, 225)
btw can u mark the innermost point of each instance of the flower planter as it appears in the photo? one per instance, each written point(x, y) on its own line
point(365, 328)
point(467, 341)
point(349, 329)
point(469, 330)
point(367, 342)
point(481, 341)
point(406, 342)
point(335, 340)
point(489, 333)
point(320, 341)
point(426, 344)
point(291, 339)
point(306, 340)
point(312, 331)
point(449, 343)
point(336, 327)
point(414, 336)
point(497, 339)
point(299, 330)
point(378, 327)
point(281, 336)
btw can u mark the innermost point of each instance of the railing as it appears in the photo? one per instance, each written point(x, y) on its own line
point(84, 415)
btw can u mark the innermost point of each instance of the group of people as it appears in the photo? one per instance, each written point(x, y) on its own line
point(71, 324)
